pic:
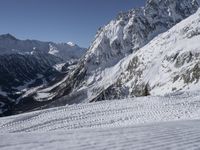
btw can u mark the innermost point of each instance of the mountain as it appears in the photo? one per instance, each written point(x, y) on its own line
point(144, 67)
point(111, 61)
point(18, 73)
point(132, 30)
point(28, 64)
point(169, 63)
point(139, 53)
point(9, 44)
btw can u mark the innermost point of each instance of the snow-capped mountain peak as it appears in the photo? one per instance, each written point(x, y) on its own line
point(133, 29)
point(9, 45)
point(103, 63)
point(7, 36)
point(71, 44)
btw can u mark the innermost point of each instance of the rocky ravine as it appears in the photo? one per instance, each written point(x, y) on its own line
point(29, 64)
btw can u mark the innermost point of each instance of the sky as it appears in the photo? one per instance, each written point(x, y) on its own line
point(60, 20)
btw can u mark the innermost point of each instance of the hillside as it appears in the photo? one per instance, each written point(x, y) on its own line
point(168, 54)
point(29, 64)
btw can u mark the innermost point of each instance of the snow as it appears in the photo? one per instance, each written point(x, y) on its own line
point(53, 50)
point(134, 34)
point(169, 122)
point(153, 65)
point(155, 69)
point(29, 92)
point(71, 44)
point(66, 51)
point(159, 72)
point(9, 45)
point(183, 135)
point(59, 66)
point(107, 114)
point(132, 30)
point(45, 93)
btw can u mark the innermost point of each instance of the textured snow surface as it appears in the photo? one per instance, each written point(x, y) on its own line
point(181, 135)
point(139, 123)
point(105, 114)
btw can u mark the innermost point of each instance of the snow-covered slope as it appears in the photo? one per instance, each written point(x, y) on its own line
point(183, 135)
point(66, 51)
point(133, 29)
point(140, 27)
point(107, 114)
point(139, 123)
point(168, 63)
point(9, 44)
point(118, 61)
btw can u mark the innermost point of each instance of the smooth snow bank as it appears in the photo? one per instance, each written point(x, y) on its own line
point(183, 135)
point(116, 113)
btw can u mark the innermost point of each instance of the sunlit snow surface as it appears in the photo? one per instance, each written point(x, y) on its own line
point(138, 123)
point(174, 135)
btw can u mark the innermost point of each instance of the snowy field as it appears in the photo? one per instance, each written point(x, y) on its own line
point(170, 122)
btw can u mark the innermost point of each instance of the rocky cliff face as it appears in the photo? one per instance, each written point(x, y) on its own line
point(132, 30)
point(169, 63)
point(99, 70)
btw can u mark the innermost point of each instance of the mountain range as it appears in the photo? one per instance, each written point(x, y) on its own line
point(27, 64)
point(152, 50)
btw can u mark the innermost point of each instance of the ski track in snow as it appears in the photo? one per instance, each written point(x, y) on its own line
point(137, 123)
point(105, 114)
point(172, 135)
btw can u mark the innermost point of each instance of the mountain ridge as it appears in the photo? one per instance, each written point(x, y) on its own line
point(117, 40)
point(116, 64)
point(10, 44)
point(28, 64)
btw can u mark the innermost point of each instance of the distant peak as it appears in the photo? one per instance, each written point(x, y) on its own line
point(8, 36)
point(71, 44)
